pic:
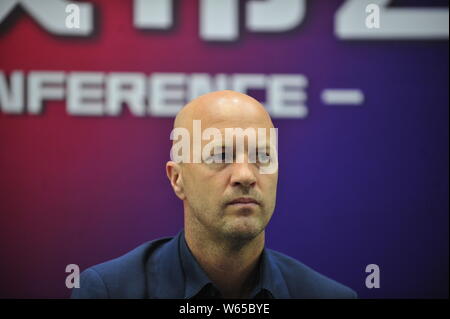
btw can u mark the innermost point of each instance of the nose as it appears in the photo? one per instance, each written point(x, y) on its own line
point(243, 175)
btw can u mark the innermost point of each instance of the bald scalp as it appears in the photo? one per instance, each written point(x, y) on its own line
point(224, 105)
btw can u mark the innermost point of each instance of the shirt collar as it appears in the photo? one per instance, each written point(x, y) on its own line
point(270, 277)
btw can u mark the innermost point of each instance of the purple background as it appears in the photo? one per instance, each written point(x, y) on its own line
point(357, 185)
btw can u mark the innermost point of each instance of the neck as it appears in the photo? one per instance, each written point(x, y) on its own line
point(231, 266)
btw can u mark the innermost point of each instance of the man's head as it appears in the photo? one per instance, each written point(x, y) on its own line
point(208, 189)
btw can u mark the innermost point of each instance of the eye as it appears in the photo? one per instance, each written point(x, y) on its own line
point(216, 158)
point(219, 156)
point(263, 157)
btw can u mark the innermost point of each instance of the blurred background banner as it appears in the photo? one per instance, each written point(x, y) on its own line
point(357, 89)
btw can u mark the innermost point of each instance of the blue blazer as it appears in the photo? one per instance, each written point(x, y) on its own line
point(155, 270)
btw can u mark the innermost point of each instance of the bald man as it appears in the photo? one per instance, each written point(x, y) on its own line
point(228, 197)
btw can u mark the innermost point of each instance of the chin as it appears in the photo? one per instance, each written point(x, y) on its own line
point(244, 230)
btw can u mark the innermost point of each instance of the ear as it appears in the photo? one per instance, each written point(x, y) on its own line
point(173, 171)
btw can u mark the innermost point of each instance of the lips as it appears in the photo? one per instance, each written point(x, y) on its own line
point(243, 200)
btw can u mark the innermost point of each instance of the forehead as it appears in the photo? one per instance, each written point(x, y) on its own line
point(231, 112)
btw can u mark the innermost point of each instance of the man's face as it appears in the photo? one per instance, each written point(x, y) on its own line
point(209, 188)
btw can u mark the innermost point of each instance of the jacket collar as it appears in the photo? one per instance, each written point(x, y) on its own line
point(178, 274)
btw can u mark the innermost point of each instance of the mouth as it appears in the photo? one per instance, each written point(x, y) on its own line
point(244, 201)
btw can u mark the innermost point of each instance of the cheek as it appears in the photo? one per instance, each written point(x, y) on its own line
point(190, 186)
point(201, 186)
point(269, 184)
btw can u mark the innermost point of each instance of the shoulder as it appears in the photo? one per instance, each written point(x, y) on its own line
point(304, 282)
point(122, 277)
